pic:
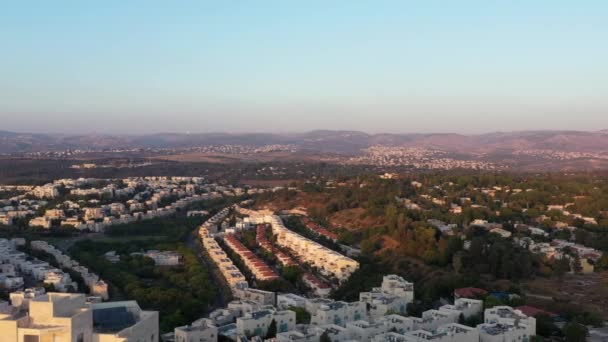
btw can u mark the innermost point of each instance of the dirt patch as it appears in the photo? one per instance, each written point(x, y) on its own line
point(204, 157)
point(267, 182)
point(304, 200)
point(227, 158)
point(587, 291)
point(354, 219)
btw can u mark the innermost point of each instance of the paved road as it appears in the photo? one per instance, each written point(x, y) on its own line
point(527, 294)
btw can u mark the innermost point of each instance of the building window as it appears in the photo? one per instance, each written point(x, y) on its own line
point(31, 338)
point(80, 337)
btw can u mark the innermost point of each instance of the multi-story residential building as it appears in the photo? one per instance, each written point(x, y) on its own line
point(41, 221)
point(348, 322)
point(93, 213)
point(364, 331)
point(45, 191)
point(392, 337)
point(50, 317)
point(123, 322)
point(339, 313)
point(242, 307)
point(54, 214)
point(290, 300)
point(164, 258)
point(6, 220)
point(327, 261)
point(259, 296)
point(393, 295)
point(468, 307)
point(67, 317)
point(96, 286)
point(231, 273)
point(200, 330)
point(507, 316)
point(258, 322)
point(334, 332)
point(398, 323)
point(433, 319)
point(446, 333)
point(319, 287)
point(498, 332)
point(297, 336)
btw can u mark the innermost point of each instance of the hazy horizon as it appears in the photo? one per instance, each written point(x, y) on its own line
point(287, 133)
point(142, 67)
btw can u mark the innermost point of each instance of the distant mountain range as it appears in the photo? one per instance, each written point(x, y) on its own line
point(323, 141)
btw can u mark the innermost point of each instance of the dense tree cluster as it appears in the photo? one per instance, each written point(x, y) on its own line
point(182, 293)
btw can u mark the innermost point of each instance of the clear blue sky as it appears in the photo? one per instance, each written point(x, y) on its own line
point(379, 66)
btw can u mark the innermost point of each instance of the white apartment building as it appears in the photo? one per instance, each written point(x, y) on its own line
point(398, 323)
point(288, 300)
point(393, 295)
point(392, 337)
point(201, 330)
point(50, 317)
point(54, 214)
point(259, 296)
point(338, 313)
point(335, 332)
point(96, 286)
point(507, 316)
point(327, 261)
point(257, 322)
point(93, 213)
point(45, 191)
point(468, 307)
point(497, 332)
point(446, 333)
point(364, 331)
point(297, 336)
point(40, 221)
point(348, 322)
point(123, 322)
point(433, 319)
point(5, 220)
point(234, 277)
point(164, 258)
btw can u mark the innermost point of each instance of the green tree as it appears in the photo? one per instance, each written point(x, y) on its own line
point(458, 261)
point(545, 326)
point(575, 332)
point(491, 301)
point(272, 330)
point(302, 316)
point(291, 273)
point(325, 337)
point(561, 266)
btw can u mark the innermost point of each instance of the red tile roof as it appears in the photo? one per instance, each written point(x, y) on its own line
point(469, 292)
point(533, 311)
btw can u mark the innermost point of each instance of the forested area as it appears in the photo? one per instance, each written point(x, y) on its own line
point(402, 241)
point(181, 293)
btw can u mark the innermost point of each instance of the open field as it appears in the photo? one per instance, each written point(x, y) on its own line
point(584, 291)
point(227, 158)
point(266, 182)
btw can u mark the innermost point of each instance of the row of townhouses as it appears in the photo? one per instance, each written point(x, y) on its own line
point(233, 276)
point(16, 265)
point(97, 287)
